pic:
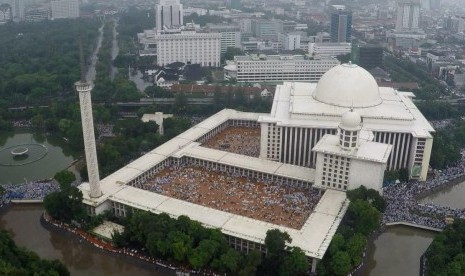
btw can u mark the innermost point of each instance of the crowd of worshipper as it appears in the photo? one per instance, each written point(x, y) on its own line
point(404, 204)
point(29, 190)
point(241, 140)
point(270, 201)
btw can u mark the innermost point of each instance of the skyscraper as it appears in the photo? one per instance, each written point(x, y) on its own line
point(65, 9)
point(18, 10)
point(168, 13)
point(341, 24)
point(84, 88)
point(408, 16)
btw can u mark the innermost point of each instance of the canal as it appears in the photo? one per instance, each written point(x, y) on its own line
point(23, 221)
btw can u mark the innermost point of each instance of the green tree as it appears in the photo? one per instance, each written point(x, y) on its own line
point(355, 246)
point(65, 205)
point(64, 178)
point(295, 263)
point(275, 242)
point(341, 263)
point(365, 215)
point(19, 261)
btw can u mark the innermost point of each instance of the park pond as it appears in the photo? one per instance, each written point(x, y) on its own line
point(46, 155)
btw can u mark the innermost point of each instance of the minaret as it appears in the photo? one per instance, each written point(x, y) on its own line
point(84, 88)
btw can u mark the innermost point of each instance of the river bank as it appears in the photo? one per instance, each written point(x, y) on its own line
point(131, 254)
point(81, 236)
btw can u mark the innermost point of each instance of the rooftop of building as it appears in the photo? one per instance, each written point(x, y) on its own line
point(313, 237)
point(263, 57)
point(382, 108)
point(367, 150)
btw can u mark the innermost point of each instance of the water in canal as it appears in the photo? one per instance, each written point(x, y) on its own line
point(23, 221)
point(452, 196)
point(397, 251)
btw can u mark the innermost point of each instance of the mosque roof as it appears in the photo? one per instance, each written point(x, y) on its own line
point(348, 85)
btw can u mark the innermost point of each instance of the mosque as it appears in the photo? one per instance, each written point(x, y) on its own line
point(333, 136)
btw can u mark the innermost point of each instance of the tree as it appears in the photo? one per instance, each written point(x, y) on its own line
point(65, 205)
point(203, 254)
point(275, 242)
point(231, 52)
point(341, 263)
point(296, 263)
point(229, 261)
point(365, 215)
point(355, 246)
point(64, 178)
point(19, 261)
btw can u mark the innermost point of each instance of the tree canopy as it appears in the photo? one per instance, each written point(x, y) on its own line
point(446, 254)
point(19, 261)
point(347, 246)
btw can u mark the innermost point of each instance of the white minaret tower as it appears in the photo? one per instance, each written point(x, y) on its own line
point(84, 88)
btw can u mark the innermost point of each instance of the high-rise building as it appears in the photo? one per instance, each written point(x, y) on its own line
point(168, 13)
point(5, 13)
point(433, 5)
point(84, 88)
point(267, 29)
point(183, 45)
point(230, 35)
point(65, 9)
point(408, 16)
point(18, 10)
point(367, 56)
point(279, 68)
point(341, 24)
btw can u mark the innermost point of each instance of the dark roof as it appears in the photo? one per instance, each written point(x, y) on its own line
point(210, 89)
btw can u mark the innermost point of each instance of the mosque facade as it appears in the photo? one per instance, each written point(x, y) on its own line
point(303, 113)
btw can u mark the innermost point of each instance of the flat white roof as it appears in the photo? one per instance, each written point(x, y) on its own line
point(367, 150)
point(194, 150)
point(294, 105)
point(314, 237)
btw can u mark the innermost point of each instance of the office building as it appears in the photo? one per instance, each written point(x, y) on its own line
point(279, 68)
point(368, 56)
point(267, 29)
point(64, 9)
point(5, 13)
point(329, 49)
point(230, 35)
point(341, 24)
point(408, 16)
point(168, 14)
point(183, 45)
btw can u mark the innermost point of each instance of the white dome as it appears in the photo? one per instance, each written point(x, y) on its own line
point(348, 85)
point(351, 120)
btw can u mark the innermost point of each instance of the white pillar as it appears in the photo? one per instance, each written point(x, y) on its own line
point(87, 120)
